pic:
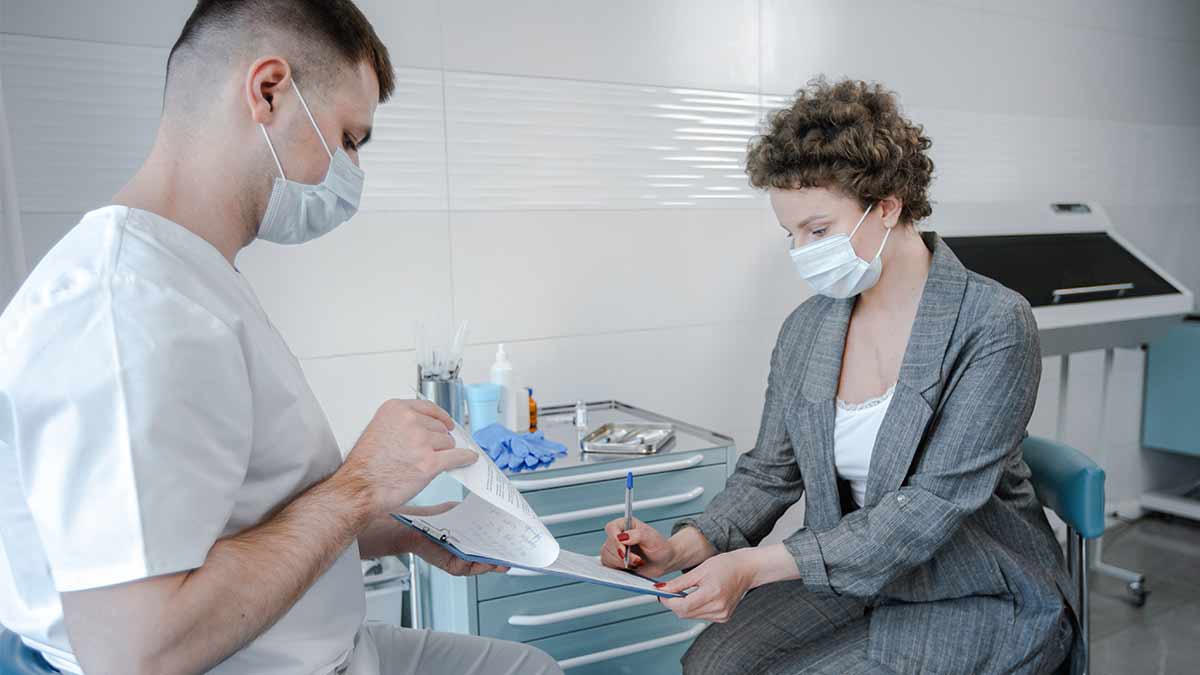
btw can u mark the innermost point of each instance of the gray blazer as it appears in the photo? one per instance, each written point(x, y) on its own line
point(951, 543)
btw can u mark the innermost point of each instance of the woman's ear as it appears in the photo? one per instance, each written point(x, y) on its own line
point(265, 78)
point(890, 209)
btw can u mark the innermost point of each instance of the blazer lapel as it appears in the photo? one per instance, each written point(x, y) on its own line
point(917, 390)
point(814, 416)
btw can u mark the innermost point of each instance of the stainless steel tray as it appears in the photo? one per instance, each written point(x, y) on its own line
point(627, 438)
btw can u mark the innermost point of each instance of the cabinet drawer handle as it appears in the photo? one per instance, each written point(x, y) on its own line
point(521, 572)
point(626, 650)
point(638, 505)
point(580, 479)
point(580, 612)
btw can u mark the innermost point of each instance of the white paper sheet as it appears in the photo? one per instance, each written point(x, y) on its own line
point(494, 521)
point(478, 528)
point(587, 567)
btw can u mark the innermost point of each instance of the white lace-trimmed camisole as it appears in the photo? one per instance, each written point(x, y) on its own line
point(854, 430)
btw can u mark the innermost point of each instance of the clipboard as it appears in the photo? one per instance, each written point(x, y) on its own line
point(442, 538)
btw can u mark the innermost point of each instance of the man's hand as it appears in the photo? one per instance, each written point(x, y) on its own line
point(405, 446)
point(437, 555)
point(387, 536)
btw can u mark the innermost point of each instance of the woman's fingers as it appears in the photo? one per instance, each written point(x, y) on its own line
point(689, 606)
point(612, 554)
point(614, 527)
point(683, 581)
point(698, 605)
point(639, 535)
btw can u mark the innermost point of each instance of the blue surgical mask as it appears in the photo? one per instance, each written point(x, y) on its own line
point(298, 212)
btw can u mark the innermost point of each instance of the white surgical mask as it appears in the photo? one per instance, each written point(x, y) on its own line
point(832, 268)
point(298, 212)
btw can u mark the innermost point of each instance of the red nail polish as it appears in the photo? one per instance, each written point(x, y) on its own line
point(660, 584)
point(623, 537)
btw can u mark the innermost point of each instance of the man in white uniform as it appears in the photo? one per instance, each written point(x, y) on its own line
point(171, 497)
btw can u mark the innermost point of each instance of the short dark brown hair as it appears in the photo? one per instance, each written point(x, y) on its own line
point(848, 136)
point(331, 33)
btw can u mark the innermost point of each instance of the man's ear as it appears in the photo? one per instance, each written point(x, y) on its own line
point(265, 78)
point(889, 210)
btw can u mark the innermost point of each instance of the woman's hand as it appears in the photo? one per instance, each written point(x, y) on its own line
point(658, 555)
point(718, 584)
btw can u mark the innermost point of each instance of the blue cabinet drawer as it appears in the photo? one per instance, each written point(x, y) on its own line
point(584, 508)
point(647, 645)
point(521, 581)
point(562, 609)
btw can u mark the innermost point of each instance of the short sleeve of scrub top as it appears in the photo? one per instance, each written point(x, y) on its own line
point(136, 471)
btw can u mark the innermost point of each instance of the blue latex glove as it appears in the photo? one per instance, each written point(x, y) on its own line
point(518, 452)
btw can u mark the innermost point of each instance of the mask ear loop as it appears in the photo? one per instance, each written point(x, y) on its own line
point(310, 119)
point(886, 232)
point(860, 221)
point(272, 147)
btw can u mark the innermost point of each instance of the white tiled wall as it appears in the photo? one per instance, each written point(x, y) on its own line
point(568, 176)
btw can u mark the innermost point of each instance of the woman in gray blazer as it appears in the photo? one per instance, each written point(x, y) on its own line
point(897, 400)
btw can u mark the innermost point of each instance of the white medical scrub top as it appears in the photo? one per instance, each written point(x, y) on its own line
point(148, 408)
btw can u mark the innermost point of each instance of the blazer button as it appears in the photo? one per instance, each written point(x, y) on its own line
point(901, 499)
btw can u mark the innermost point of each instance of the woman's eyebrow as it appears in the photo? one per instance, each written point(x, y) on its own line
point(810, 219)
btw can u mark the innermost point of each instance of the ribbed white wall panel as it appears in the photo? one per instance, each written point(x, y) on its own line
point(537, 143)
point(82, 116)
point(405, 162)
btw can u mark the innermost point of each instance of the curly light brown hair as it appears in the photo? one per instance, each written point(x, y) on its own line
point(848, 136)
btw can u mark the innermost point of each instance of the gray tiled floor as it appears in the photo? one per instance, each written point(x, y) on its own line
point(1164, 635)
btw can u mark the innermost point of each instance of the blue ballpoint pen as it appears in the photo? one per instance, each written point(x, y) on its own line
point(628, 510)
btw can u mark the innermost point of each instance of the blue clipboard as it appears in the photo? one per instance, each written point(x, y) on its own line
point(444, 543)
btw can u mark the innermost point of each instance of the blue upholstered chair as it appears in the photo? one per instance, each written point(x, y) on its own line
point(1072, 485)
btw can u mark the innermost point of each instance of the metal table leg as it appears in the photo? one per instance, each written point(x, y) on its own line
point(1134, 581)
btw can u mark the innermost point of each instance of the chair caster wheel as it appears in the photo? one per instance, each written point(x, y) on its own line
point(1138, 590)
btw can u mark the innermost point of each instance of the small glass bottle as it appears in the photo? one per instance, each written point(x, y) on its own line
point(581, 415)
point(532, 411)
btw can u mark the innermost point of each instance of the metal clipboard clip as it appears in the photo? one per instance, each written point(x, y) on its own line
point(435, 532)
